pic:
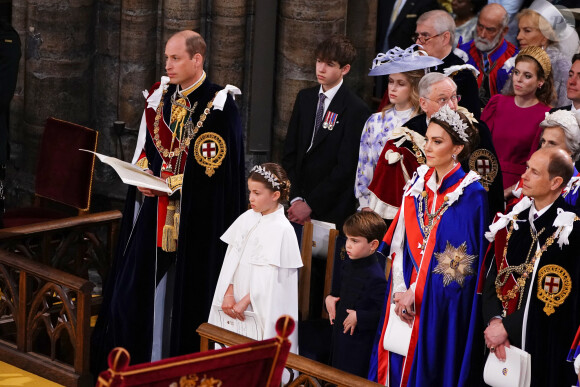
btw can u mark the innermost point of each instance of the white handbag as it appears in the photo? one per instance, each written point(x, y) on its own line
point(397, 334)
point(514, 372)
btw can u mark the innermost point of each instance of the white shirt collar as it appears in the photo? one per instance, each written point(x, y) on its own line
point(533, 210)
point(330, 93)
point(573, 108)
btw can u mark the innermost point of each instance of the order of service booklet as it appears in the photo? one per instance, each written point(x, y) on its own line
point(132, 174)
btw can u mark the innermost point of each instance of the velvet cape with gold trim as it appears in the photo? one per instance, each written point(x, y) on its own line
point(548, 337)
point(208, 206)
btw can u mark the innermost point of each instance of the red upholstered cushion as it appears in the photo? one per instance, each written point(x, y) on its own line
point(64, 174)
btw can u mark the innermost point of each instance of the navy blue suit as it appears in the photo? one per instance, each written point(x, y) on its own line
point(361, 288)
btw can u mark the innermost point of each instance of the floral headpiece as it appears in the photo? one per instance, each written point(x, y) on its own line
point(564, 118)
point(446, 114)
point(397, 60)
point(269, 176)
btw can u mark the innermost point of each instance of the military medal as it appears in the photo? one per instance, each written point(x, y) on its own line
point(329, 120)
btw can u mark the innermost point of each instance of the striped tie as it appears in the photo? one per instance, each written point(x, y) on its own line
point(485, 63)
point(319, 112)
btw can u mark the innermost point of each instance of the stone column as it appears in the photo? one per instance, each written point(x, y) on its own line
point(58, 73)
point(303, 24)
point(106, 97)
point(137, 57)
point(19, 11)
point(178, 15)
point(228, 42)
point(106, 88)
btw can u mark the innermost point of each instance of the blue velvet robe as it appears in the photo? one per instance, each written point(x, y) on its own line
point(361, 288)
point(444, 348)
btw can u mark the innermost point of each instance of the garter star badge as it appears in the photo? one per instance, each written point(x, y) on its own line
point(554, 286)
point(486, 165)
point(209, 151)
point(455, 264)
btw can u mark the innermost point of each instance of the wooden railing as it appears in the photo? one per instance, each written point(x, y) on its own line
point(76, 245)
point(44, 320)
point(312, 373)
point(47, 296)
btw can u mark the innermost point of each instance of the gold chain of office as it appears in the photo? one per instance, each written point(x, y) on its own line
point(523, 269)
point(190, 130)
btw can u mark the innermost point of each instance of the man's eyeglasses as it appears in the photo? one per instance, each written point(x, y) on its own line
point(444, 101)
point(423, 39)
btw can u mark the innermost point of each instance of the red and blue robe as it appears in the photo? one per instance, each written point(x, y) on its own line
point(497, 74)
point(447, 326)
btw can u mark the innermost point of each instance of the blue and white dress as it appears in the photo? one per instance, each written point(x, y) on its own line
point(372, 141)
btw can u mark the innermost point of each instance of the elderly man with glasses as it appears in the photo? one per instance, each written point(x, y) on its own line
point(435, 32)
point(437, 90)
point(489, 51)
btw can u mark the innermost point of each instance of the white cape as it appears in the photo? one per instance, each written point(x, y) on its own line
point(270, 246)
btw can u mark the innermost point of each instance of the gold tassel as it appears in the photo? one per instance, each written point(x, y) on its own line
point(169, 238)
point(176, 224)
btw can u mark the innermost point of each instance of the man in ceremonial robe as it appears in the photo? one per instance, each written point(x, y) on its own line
point(531, 294)
point(489, 51)
point(169, 254)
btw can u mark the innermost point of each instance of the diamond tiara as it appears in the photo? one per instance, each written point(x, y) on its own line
point(269, 176)
point(446, 114)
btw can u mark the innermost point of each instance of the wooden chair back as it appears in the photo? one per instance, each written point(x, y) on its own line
point(306, 270)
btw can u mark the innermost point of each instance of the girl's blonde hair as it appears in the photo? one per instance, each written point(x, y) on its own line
point(413, 77)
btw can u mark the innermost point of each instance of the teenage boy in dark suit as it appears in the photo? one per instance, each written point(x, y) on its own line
point(321, 149)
